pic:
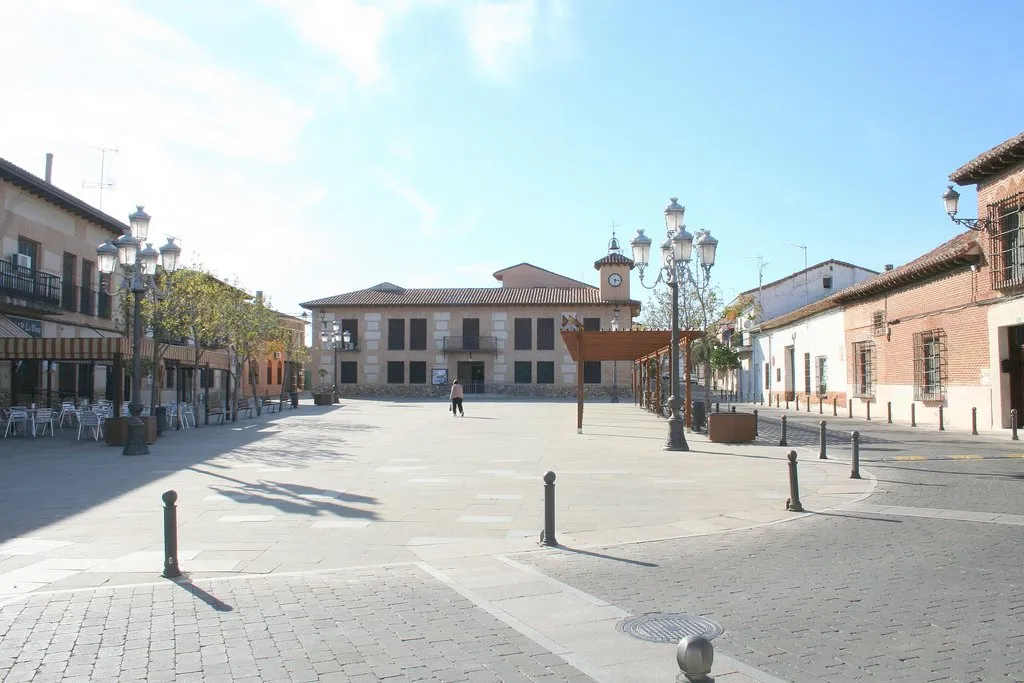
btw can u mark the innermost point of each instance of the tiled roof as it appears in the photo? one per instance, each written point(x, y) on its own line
point(614, 259)
point(957, 252)
point(808, 269)
point(33, 184)
point(499, 274)
point(467, 296)
point(987, 164)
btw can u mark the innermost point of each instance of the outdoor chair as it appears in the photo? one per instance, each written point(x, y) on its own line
point(90, 420)
point(187, 416)
point(68, 413)
point(44, 418)
point(15, 416)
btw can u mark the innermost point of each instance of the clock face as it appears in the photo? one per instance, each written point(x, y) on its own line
point(615, 279)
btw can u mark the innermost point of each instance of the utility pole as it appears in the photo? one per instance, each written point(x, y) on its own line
point(807, 284)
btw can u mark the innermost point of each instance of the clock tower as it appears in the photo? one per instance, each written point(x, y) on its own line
point(614, 269)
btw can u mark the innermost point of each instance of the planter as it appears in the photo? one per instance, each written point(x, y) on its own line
point(115, 430)
point(731, 427)
point(323, 399)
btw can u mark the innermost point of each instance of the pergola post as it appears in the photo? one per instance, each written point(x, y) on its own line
point(689, 390)
point(579, 382)
point(118, 379)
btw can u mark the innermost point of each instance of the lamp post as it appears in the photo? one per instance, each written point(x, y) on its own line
point(951, 198)
point(676, 254)
point(615, 364)
point(139, 266)
point(332, 337)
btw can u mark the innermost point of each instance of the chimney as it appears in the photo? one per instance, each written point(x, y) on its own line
point(888, 267)
point(49, 167)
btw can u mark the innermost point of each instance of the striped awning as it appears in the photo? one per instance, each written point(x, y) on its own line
point(100, 349)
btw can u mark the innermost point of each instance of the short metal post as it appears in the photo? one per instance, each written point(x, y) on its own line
point(808, 403)
point(1013, 425)
point(718, 407)
point(913, 414)
point(869, 410)
point(974, 420)
point(548, 537)
point(171, 569)
point(787, 402)
point(942, 426)
point(695, 655)
point(782, 441)
point(732, 409)
point(855, 446)
point(888, 411)
point(797, 397)
point(821, 404)
point(755, 422)
point(793, 504)
point(849, 407)
point(835, 405)
point(822, 437)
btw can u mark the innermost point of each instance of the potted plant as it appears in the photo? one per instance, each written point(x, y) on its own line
point(323, 393)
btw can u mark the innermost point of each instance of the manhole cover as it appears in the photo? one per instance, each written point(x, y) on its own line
point(669, 628)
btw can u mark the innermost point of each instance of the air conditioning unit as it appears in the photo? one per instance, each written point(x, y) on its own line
point(22, 260)
point(746, 324)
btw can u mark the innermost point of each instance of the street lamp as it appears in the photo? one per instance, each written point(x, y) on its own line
point(615, 364)
point(951, 198)
point(138, 270)
point(676, 254)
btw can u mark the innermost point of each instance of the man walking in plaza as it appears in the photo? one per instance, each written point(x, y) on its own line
point(456, 397)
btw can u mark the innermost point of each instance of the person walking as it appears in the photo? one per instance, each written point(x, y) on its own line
point(456, 397)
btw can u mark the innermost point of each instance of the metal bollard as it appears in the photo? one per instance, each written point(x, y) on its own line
point(849, 407)
point(888, 410)
point(732, 409)
point(755, 421)
point(793, 504)
point(869, 410)
point(797, 397)
point(822, 438)
point(171, 569)
point(547, 537)
point(855, 446)
point(787, 402)
point(913, 414)
point(782, 441)
point(718, 407)
point(974, 420)
point(808, 403)
point(695, 655)
point(1013, 425)
point(835, 405)
point(942, 426)
point(821, 404)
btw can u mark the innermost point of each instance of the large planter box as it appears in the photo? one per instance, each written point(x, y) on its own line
point(731, 427)
point(115, 430)
point(323, 399)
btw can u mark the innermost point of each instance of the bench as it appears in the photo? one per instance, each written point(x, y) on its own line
point(272, 404)
point(216, 412)
point(244, 406)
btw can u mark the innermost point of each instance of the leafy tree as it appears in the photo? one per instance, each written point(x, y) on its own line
point(248, 325)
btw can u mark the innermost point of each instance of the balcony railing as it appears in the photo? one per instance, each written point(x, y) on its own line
point(470, 344)
point(33, 285)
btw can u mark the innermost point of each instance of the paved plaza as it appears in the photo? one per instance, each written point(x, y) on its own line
point(388, 540)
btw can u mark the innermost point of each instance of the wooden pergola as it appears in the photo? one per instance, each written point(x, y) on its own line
point(635, 346)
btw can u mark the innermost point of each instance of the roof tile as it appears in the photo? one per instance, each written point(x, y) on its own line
point(467, 296)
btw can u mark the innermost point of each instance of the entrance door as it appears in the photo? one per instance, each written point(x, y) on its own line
point(790, 373)
point(471, 376)
point(25, 382)
point(1015, 337)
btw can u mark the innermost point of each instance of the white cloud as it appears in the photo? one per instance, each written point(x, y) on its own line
point(499, 33)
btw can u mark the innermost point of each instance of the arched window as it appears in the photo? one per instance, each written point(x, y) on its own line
point(270, 371)
point(280, 372)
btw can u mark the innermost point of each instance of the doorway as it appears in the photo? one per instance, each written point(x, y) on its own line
point(790, 373)
point(1015, 339)
point(471, 376)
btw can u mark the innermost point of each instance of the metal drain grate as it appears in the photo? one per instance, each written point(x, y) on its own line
point(669, 628)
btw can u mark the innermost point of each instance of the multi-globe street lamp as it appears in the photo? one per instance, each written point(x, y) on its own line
point(676, 255)
point(332, 337)
point(138, 270)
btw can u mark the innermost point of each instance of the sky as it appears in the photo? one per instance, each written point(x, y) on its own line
point(312, 147)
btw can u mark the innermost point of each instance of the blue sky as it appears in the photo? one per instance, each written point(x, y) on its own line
point(312, 147)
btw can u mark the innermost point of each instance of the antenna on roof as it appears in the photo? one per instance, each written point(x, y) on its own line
point(103, 183)
point(807, 286)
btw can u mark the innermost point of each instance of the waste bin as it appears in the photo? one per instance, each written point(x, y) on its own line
point(294, 397)
point(162, 422)
point(700, 416)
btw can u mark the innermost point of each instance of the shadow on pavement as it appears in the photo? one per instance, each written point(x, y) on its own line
point(210, 600)
point(606, 557)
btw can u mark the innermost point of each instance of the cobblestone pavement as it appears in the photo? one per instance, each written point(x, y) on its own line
point(374, 624)
point(847, 596)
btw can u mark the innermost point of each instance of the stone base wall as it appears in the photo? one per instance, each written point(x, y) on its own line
point(510, 390)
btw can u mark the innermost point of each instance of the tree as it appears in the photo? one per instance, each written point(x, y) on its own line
point(248, 325)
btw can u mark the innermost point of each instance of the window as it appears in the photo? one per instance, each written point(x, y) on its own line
point(351, 325)
point(396, 372)
point(105, 308)
point(270, 372)
point(822, 363)
point(523, 334)
point(417, 336)
point(545, 371)
point(523, 372)
point(545, 336)
point(168, 376)
point(396, 335)
point(591, 371)
point(87, 305)
point(878, 323)
point(470, 334)
point(864, 362)
point(67, 294)
point(280, 372)
point(807, 373)
point(418, 371)
point(348, 372)
point(591, 324)
point(1008, 242)
point(826, 282)
point(767, 376)
point(929, 365)
point(85, 378)
point(30, 249)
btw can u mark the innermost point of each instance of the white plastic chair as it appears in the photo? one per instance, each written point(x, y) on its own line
point(44, 418)
point(90, 420)
point(68, 413)
point(16, 415)
point(188, 416)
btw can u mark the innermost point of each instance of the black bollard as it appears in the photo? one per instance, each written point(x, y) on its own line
point(888, 411)
point(732, 409)
point(755, 421)
point(718, 407)
point(835, 405)
point(808, 403)
point(782, 441)
point(1013, 425)
point(942, 426)
point(974, 421)
point(913, 414)
point(849, 407)
point(797, 397)
point(821, 406)
point(869, 410)
point(548, 537)
point(855, 446)
point(822, 437)
point(171, 570)
point(787, 402)
point(793, 504)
